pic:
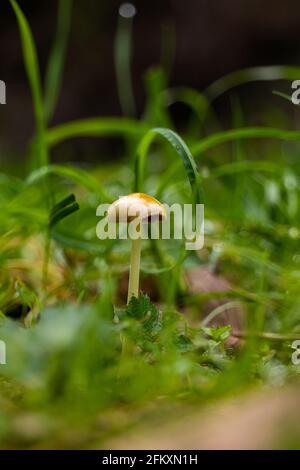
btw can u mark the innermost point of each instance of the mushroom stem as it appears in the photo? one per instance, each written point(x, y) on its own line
point(134, 275)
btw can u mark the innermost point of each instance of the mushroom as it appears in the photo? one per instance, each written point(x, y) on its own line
point(140, 209)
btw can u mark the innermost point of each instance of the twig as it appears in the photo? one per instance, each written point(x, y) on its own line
point(267, 335)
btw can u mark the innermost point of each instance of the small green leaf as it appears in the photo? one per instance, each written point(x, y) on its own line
point(183, 343)
point(218, 333)
point(139, 308)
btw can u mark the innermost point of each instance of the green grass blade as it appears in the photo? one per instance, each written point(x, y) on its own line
point(282, 95)
point(181, 150)
point(69, 241)
point(252, 74)
point(123, 53)
point(231, 135)
point(170, 265)
point(62, 204)
point(245, 166)
point(63, 213)
point(77, 175)
point(57, 57)
point(168, 46)
point(95, 127)
point(239, 155)
point(156, 112)
point(243, 133)
point(233, 168)
point(33, 73)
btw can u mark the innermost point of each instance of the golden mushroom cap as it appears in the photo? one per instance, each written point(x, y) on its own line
point(136, 205)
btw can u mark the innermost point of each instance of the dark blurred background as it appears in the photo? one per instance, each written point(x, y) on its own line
point(213, 38)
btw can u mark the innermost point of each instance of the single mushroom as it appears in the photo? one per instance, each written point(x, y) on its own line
point(142, 209)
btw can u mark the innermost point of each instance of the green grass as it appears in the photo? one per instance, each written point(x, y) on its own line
point(77, 357)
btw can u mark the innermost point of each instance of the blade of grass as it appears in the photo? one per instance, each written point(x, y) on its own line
point(63, 213)
point(266, 335)
point(33, 73)
point(282, 95)
point(123, 52)
point(222, 170)
point(181, 150)
point(95, 127)
point(156, 112)
point(218, 311)
point(245, 166)
point(239, 155)
point(57, 57)
point(168, 47)
point(79, 176)
point(68, 241)
point(243, 133)
point(62, 204)
point(252, 74)
point(232, 135)
point(39, 149)
point(173, 263)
